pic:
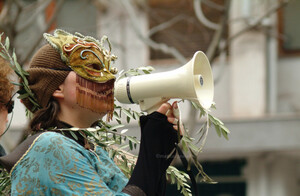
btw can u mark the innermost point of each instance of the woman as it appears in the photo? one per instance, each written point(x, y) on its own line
point(73, 83)
point(6, 104)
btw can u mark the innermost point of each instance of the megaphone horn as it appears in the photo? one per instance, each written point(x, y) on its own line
point(193, 81)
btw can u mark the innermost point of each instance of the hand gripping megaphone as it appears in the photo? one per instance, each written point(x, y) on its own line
point(193, 81)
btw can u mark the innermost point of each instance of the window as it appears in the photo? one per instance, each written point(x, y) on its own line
point(289, 29)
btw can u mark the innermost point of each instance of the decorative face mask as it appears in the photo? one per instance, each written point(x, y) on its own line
point(84, 55)
point(91, 61)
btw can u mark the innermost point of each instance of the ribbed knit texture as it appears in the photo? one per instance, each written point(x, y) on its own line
point(43, 78)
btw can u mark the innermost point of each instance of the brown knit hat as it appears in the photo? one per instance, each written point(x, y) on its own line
point(47, 71)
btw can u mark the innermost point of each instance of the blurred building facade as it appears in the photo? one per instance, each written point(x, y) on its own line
point(256, 90)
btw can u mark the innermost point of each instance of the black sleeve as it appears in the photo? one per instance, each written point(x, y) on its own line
point(158, 140)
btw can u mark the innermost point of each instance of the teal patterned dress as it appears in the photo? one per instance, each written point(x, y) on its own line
point(57, 165)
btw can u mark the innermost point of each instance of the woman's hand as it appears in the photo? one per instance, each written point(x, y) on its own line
point(172, 113)
point(158, 141)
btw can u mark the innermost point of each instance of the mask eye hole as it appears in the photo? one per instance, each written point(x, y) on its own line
point(94, 66)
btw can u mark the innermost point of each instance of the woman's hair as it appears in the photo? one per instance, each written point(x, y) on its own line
point(6, 87)
point(46, 117)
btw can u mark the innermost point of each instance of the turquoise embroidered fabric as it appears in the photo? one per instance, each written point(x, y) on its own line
point(57, 165)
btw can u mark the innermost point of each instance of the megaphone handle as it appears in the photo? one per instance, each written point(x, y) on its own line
point(150, 105)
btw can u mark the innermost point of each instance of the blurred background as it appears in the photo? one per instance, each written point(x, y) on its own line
point(254, 50)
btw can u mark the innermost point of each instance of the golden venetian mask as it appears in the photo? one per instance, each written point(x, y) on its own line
point(84, 55)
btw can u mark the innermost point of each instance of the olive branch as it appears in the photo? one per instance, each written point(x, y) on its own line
point(25, 91)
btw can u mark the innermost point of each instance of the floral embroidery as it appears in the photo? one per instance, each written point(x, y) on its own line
point(57, 165)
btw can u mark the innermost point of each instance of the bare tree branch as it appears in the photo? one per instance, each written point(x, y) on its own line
point(4, 12)
point(214, 45)
point(39, 39)
point(166, 24)
point(33, 17)
point(158, 46)
point(19, 3)
point(202, 18)
point(19, 10)
point(33, 6)
point(255, 23)
point(213, 5)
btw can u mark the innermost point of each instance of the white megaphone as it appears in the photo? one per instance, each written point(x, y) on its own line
point(193, 81)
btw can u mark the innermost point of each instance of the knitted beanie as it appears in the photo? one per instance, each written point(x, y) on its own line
point(47, 71)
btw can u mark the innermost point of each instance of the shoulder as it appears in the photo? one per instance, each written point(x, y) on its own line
point(56, 141)
point(52, 137)
point(48, 146)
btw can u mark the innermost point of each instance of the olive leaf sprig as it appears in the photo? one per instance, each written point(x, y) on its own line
point(179, 178)
point(135, 72)
point(193, 149)
point(115, 143)
point(5, 182)
point(25, 91)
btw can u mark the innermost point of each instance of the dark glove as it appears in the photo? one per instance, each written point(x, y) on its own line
point(158, 138)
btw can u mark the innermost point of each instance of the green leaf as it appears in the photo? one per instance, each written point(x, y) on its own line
point(115, 127)
point(119, 122)
point(21, 91)
point(146, 72)
point(178, 185)
point(130, 145)
point(74, 135)
point(186, 185)
point(121, 72)
point(18, 67)
point(116, 116)
point(215, 120)
point(173, 179)
point(123, 167)
point(14, 56)
point(193, 147)
point(225, 129)
point(218, 130)
point(146, 68)
point(128, 119)
point(132, 73)
point(213, 106)
point(23, 96)
point(127, 113)
point(7, 43)
point(133, 139)
point(26, 88)
point(184, 146)
point(124, 131)
point(16, 84)
point(3, 55)
point(195, 105)
point(34, 102)
point(225, 134)
point(25, 72)
point(134, 115)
